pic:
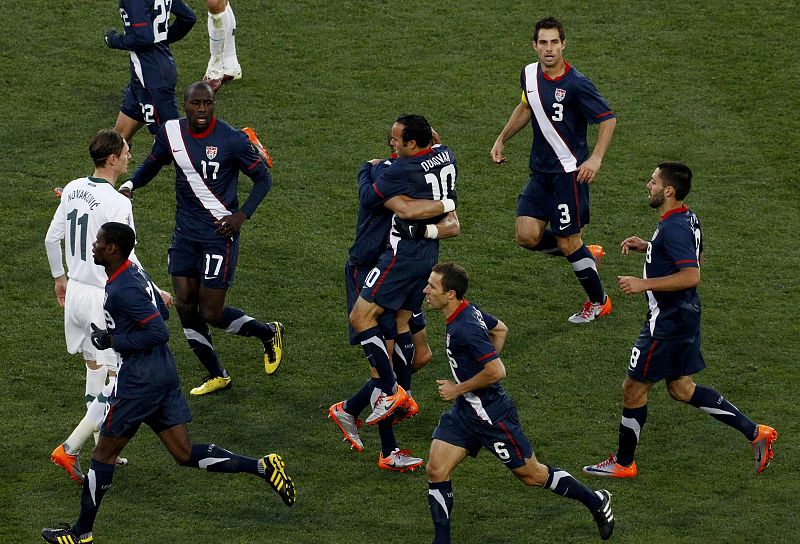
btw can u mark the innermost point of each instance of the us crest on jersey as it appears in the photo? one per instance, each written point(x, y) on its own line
point(211, 152)
point(560, 94)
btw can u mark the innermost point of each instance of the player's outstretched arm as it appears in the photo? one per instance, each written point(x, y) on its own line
point(633, 243)
point(685, 278)
point(520, 117)
point(183, 23)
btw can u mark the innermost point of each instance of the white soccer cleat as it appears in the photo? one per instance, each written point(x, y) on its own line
point(386, 404)
point(348, 424)
point(590, 311)
point(399, 461)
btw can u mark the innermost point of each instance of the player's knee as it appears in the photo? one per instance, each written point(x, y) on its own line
point(211, 315)
point(633, 395)
point(436, 472)
point(681, 391)
point(527, 238)
point(93, 365)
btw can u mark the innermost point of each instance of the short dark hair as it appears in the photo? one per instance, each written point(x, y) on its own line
point(194, 86)
point(548, 22)
point(678, 175)
point(417, 128)
point(121, 235)
point(104, 144)
point(454, 278)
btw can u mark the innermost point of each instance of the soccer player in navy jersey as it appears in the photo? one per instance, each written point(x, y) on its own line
point(668, 346)
point(149, 98)
point(483, 415)
point(422, 171)
point(223, 66)
point(559, 102)
point(372, 238)
point(148, 389)
point(209, 154)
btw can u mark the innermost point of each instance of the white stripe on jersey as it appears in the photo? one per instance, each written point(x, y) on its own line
point(560, 147)
point(184, 162)
point(85, 206)
point(137, 68)
point(651, 301)
point(477, 405)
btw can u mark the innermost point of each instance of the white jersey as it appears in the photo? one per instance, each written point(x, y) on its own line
point(86, 204)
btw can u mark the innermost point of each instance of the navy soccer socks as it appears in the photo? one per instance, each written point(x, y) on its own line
point(374, 346)
point(199, 338)
point(215, 459)
point(440, 503)
point(563, 483)
point(95, 485)
point(585, 268)
point(356, 404)
point(630, 426)
point(402, 358)
point(714, 404)
point(235, 321)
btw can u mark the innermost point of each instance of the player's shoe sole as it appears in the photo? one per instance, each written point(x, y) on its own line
point(409, 409)
point(274, 472)
point(212, 384)
point(603, 516)
point(273, 349)
point(611, 469)
point(763, 447)
point(70, 463)
point(348, 424)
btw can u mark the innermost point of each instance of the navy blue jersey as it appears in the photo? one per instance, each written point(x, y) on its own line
point(469, 349)
point(207, 167)
point(148, 34)
point(429, 175)
point(135, 317)
point(374, 222)
point(561, 109)
point(677, 243)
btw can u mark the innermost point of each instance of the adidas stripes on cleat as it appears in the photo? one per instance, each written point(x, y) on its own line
point(64, 534)
point(603, 516)
point(271, 467)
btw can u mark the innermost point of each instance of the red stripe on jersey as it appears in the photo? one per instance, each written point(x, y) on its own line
point(375, 186)
point(511, 438)
point(423, 152)
point(577, 198)
point(119, 271)
point(136, 25)
point(110, 414)
point(609, 112)
point(383, 276)
point(255, 162)
point(227, 259)
point(492, 354)
point(676, 210)
point(686, 261)
point(460, 309)
point(649, 356)
point(146, 319)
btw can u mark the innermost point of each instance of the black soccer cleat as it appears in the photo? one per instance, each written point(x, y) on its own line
point(64, 534)
point(603, 516)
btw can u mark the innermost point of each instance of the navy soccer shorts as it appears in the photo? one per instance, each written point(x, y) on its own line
point(503, 438)
point(557, 198)
point(213, 262)
point(159, 409)
point(154, 107)
point(354, 276)
point(417, 321)
point(397, 284)
point(655, 359)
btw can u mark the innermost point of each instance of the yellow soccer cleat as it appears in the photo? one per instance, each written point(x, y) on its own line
point(211, 384)
point(273, 349)
point(64, 534)
point(272, 469)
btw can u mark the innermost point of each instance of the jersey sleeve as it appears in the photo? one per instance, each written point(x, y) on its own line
point(680, 245)
point(479, 345)
point(251, 165)
point(52, 241)
point(183, 23)
point(593, 106)
point(391, 182)
point(160, 156)
point(490, 320)
point(139, 33)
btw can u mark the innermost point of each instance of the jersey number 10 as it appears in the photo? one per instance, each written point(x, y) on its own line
point(444, 183)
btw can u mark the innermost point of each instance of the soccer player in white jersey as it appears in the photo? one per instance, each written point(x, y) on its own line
point(223, 66)
point(86, 204)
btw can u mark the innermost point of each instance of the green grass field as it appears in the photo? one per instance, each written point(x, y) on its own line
point(711, 84)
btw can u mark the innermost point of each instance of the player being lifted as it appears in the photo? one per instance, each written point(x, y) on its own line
point(559, 102)
point(668, 346)
point(223, 66)
point(149, 98)
point(148, 389)
point(483, 415)
point(86, 204)
point(372, 238)
point(208, 155)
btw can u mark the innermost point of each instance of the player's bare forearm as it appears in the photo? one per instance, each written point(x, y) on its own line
point(415, 208)
point(61, 290)
point(588, 169)
point(520, 117)
point(492, 373)
point(498, 335)
point(448, 227)
point(685, 278)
